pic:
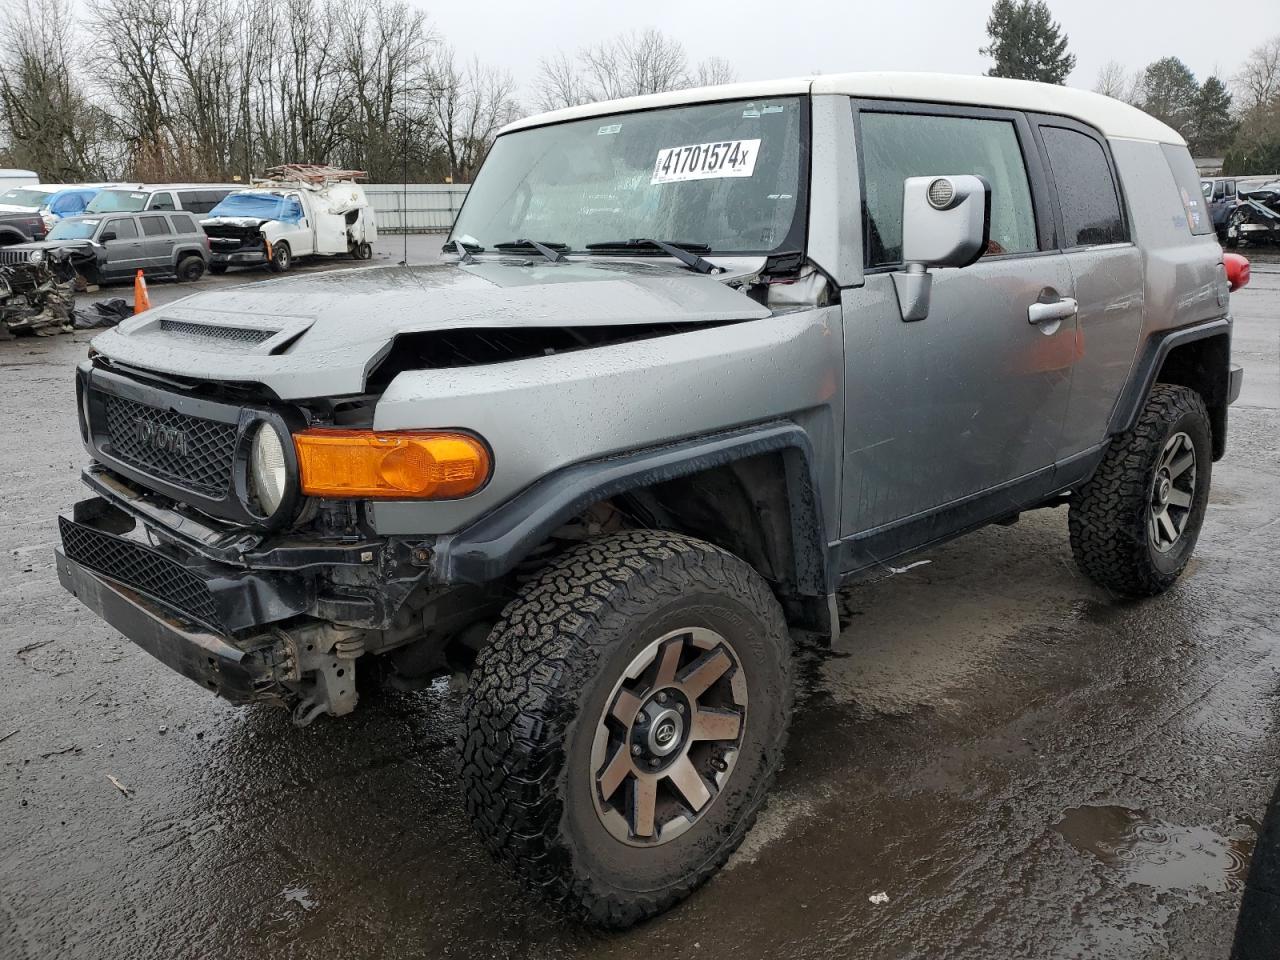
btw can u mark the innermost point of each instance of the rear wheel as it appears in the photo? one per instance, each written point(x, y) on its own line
point(281, 258)
point(625, 721)
point(1135, 522)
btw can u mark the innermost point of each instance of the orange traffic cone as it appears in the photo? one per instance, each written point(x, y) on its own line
point(140, 299)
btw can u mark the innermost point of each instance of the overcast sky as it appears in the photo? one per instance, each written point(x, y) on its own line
point(777, 39)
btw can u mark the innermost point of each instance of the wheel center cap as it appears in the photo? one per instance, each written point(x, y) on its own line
point(1163, 487)
point(665, 732)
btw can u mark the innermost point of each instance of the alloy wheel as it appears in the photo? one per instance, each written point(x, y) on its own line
point(668, 737)
point(1172, 492)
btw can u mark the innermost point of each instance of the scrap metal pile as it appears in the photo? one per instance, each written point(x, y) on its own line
point(37, 298)
point(1256, 218)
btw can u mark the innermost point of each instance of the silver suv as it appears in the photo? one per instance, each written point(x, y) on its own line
point(694, 361)
point(108, 247)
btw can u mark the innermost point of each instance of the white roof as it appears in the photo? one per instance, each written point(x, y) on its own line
point(1110, 117)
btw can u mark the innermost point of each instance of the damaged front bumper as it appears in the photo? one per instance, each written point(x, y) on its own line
point(254, 620)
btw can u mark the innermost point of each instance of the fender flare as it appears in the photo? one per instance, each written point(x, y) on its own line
point(10, 235)
point(493, 545)
point(1154, 352)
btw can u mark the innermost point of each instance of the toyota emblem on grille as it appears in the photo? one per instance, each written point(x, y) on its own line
point(160, 437)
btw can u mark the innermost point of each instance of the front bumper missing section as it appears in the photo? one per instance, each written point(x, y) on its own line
point(238, 675)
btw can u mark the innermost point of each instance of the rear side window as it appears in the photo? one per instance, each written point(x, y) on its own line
point(183, 224)
point(195, 200)
point(154, 226)
point(1086, 190)
point(900, 145)
point(1185, 177)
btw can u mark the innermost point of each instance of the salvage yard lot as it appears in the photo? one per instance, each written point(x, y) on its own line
point(996, 745)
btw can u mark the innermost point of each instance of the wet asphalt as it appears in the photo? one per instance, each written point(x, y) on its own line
point(996, 760)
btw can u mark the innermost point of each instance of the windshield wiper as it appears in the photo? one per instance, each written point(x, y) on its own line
point(552, 251)
point(684, 251)
point(463, 250)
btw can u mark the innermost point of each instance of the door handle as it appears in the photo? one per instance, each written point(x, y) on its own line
point(1063, 309)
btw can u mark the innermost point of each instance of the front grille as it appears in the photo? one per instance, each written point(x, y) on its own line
point(204, 332)
point(14, 256)
point(187, 451)
point(146, 571)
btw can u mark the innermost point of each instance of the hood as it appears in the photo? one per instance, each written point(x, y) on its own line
point(234, 221)
point(14, 208)
point(321, 335)
point(49, 244)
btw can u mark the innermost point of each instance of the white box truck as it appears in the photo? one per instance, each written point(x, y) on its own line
point(300, 211)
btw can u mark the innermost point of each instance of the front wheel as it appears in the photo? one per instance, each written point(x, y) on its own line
point(190, 269)
point(1135, 522)
point(281, 258)
point(362, 251)
point(625, 721)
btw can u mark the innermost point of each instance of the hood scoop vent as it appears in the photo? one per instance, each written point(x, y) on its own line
point(244, 337)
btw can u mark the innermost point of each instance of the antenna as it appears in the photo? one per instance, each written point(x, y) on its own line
point(404, 157)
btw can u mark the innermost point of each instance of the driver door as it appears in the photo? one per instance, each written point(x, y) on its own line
point(955, 418)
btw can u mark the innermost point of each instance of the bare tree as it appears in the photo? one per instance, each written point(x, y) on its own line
point(639, 62)
point(1116, 82)
point(1258, 81)
point(48, 120)
point(470, 105)
point(559, 83)
point(714, 71)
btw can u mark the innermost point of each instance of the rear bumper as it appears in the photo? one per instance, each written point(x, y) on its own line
point(241, 676)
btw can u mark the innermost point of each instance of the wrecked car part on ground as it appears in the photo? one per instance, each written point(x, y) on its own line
point(37, 297)
point(692, 364)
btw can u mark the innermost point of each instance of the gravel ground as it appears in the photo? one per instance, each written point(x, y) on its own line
point(1022, 765)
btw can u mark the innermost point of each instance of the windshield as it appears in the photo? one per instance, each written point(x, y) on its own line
point(73, 229)
point(260, 206)
point(728, 175)
point(25, 198)
point(118, 201)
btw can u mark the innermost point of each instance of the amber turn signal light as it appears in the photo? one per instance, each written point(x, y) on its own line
point(390, 464)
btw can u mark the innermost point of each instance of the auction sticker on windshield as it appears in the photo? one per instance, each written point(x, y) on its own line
point(706, 161)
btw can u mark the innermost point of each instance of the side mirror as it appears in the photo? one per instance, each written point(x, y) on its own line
point(946, 222)
point(108, 235)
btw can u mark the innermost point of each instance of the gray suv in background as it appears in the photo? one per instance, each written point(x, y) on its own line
point(695, 360)
point(116, 246)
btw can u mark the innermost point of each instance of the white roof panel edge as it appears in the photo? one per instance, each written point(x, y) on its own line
point(1112, 118)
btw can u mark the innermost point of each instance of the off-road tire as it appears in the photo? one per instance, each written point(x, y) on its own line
point(281, 258)
point(217, 269)
point(190, 269)
point(537, 694)
point(1108, 515)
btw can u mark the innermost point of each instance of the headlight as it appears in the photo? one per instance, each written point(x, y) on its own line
point(35, 256)
point(268, 472)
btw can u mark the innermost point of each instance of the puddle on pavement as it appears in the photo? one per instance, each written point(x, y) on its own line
point(1157, 854)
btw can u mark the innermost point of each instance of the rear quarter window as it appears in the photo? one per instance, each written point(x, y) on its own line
point(183, 224)
point(1086, 190)
point(1187, 180)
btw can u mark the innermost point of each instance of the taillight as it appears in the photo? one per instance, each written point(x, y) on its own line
point(1237, 268)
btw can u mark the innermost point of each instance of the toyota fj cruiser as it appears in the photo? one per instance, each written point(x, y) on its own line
point(693, 361)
